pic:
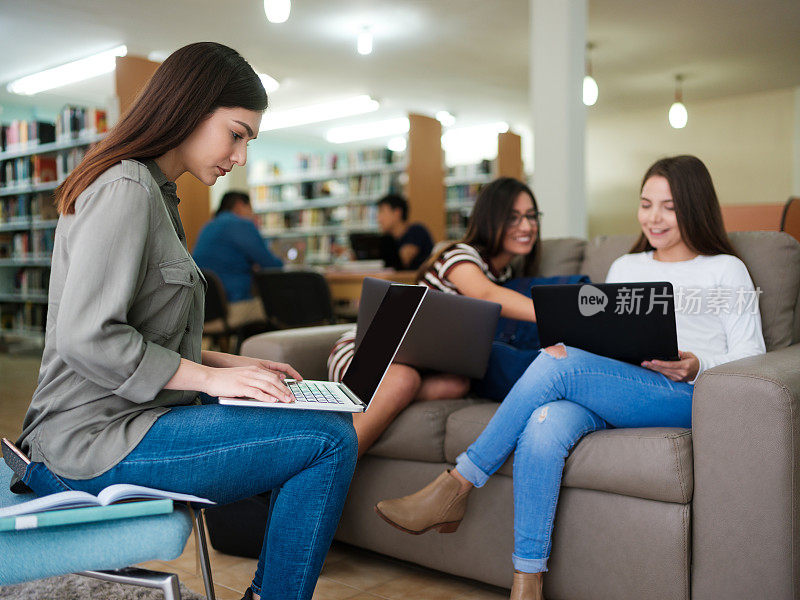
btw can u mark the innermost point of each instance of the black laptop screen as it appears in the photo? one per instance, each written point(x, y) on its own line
point(382, 339)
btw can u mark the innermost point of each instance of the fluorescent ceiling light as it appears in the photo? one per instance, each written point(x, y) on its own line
point(367, 131)
point(277, 11)
point(316, 113)
point(270, 83)
point(364, 44)
point(78, 70)
point(445, 118)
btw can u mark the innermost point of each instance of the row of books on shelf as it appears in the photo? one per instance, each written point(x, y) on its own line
point(456, 220)
point(36, 169)
point(463, 192)
point(25, 207)
point(333, 161)
point(478, 170)
point(28, 281)
point(317, 217)
point(22, 317)
point(373, 184)
point(26, 244)
point(71, 122)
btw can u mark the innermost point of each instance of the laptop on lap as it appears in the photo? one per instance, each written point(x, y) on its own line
point(368, 367)
point(631, 322)
point(450, 334)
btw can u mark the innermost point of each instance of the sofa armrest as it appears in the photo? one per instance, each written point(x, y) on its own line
point(305, 348)
point(745, 517)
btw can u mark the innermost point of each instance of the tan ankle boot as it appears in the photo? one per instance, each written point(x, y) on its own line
point(440, 504)
point(527, 586)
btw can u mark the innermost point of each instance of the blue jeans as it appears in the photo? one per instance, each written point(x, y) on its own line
point(227, 453)
point(553, 405)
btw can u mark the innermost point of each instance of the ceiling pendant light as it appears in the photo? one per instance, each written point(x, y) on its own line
point(364, 44)
point(678, 115)
point(590, 89)
point(277, 11)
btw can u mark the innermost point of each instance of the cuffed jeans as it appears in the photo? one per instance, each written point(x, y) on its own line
point(553, 405)
point(227, 453)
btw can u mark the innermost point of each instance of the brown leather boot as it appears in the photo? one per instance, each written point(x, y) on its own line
point(527, 586)
point(438, 505)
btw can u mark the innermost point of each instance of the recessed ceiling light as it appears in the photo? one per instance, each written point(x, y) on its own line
point(364, 44)
point(277, 11)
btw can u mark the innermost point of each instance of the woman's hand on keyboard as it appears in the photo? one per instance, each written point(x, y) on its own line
point(223, 359)
point(253, 381)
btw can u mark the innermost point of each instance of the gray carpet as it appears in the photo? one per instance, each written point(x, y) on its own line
point(75, 587)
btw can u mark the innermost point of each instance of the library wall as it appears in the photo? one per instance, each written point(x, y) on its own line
point(745, 141)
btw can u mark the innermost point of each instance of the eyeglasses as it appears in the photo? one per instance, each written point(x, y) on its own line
point(533, 217)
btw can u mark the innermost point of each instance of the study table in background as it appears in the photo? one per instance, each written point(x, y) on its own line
point(345, 286)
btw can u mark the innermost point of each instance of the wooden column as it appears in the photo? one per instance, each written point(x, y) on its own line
point(132, 73)
point(425, 188)
point(509, 156)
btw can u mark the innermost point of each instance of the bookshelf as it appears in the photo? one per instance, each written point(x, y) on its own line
point(464, 183)
point(327, 197)
point(35, 157)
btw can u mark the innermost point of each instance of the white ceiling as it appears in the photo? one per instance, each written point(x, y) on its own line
point(467, 56)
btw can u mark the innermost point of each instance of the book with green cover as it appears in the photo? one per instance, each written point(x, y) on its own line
point(87, 514)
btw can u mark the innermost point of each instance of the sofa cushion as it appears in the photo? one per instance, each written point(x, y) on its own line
point(559, 256)
point(602, 251)
point(773, 259)
point(653, 463)
point(418, 432)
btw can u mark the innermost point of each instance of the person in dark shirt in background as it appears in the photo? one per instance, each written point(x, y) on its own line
point(413, 241)
point(231, 246)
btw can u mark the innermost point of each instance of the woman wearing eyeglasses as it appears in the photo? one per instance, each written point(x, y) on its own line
point(504, 224)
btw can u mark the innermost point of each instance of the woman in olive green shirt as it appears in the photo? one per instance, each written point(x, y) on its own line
point(117, 399)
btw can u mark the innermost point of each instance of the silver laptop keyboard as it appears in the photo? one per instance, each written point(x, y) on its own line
point(311, 392)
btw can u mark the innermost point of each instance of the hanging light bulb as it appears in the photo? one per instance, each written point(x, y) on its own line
point(364, 44)
point(678, 115)
point(277, 11)
point(590, 89)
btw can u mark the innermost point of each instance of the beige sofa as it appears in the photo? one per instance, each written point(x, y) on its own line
point(711, 513)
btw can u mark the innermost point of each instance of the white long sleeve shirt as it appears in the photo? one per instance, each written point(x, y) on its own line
point(716, 304)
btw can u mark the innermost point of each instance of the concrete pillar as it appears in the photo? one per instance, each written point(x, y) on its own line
point(557, 46)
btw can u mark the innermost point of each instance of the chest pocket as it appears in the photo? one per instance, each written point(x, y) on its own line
point(172, 299)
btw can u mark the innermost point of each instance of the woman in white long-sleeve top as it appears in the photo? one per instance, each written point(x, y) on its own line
point(566, 392)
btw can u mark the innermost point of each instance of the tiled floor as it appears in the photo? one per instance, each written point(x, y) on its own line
point(349, 573)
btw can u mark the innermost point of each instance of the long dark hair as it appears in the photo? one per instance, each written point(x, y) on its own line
point(487, 223)
point(190, 84)
point(696, 205)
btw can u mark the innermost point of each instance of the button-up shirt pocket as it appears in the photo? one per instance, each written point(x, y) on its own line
point(172, 299)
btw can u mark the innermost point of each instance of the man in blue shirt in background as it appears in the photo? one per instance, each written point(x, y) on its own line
point(413, 242)
point(231, 246)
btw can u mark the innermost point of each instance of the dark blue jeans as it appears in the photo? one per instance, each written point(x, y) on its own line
point(227, 453)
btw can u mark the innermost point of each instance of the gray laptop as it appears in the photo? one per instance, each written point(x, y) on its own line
point(394, 315)
point(450, 334)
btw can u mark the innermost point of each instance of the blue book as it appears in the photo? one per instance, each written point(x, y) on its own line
point(88, 514)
